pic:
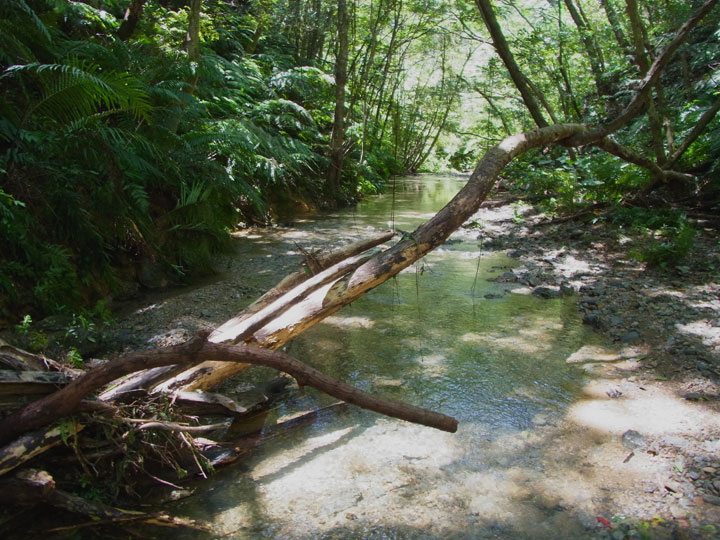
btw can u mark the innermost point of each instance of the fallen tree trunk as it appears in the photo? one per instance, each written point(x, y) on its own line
point(241, 329)
point(318, 263)
point(67, 400)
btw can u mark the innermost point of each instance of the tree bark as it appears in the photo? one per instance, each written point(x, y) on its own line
point(337, 153)
point(320, 263)
point(131, 19)
point(696, 131)
point(32, 444)
point(617, 29)
point(641, 59)
point(503, 50)
point(641, 95)
point(591, 49)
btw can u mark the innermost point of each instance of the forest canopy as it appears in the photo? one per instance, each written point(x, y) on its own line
point(135, 135)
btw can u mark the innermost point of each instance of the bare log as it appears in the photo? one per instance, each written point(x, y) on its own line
point(32, 444)
point(18, 359)
point(211, 373)
point(103, 514)
point(210, 404)
point(147, 379)
point(27, 486)
point(31, 382)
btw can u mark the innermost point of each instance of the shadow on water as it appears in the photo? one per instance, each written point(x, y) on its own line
point(530, 459)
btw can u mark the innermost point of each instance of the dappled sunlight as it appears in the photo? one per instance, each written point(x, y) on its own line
point(708, 331)
point(432, 364)
point(530, 337)
point(274, 465)
point(349, 322)
point(651, 410)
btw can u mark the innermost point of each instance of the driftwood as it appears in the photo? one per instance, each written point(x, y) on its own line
point(27, 486)
point(31, 444)
point(32, 486)
point(210, 404)
point(18, 359)
point(31, 382)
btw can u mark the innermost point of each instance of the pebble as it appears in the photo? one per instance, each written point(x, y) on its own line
point(632, 439)
point(711, 499)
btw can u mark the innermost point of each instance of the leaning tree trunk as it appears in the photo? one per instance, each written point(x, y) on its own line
point(503, 50)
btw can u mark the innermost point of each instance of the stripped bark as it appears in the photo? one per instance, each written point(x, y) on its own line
point(157, 376)
point(32, 444)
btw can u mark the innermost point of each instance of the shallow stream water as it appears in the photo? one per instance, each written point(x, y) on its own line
point(442, 336)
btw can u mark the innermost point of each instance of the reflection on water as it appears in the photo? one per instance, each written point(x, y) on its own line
point(431, 338)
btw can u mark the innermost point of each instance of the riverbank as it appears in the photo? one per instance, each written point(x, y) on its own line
point(640, 447)
point(655, 389)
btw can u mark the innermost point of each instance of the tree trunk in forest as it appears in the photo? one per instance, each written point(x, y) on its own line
point(131, 19)
point(699, 127)
point(337, 153)
point(641, 59)
point(192, 42)
point(617, 28)
point(591, 49)
point(503, 50)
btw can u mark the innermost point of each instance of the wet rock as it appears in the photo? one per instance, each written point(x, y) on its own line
point(592, 319)
point(632, 439)
point(630, 336)
point(566, 290)
point(711, 499)
point(545, 292)
point(507, 277)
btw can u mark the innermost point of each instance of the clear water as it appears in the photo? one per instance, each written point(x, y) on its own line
point(431, 338)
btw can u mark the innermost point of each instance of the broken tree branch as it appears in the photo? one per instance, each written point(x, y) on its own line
point(67, 400)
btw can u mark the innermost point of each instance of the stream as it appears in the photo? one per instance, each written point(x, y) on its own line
point(442, 336)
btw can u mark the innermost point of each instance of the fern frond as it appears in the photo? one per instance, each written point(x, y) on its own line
point(72, 92)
